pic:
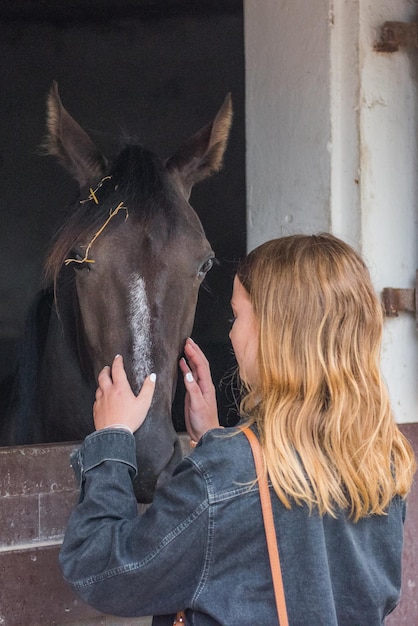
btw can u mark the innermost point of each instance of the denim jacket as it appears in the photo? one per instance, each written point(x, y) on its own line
point(201, 545)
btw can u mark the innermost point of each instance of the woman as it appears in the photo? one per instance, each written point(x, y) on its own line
point(306, 334)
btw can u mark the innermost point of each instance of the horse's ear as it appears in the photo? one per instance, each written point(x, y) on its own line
point(202, 154)
point(70, 143)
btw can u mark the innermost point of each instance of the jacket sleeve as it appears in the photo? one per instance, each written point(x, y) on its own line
point(125, 564)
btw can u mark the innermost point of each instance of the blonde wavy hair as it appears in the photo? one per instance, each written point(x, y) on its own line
point(320, 403)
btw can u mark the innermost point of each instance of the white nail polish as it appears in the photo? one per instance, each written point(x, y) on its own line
point(153, 377)
point(189, 377)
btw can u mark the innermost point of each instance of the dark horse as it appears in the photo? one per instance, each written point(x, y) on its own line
point(123, 273)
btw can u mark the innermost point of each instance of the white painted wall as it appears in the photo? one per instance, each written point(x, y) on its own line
point(287, 117)
point(332, 145)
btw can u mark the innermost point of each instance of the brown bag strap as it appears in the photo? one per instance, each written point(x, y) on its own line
point(272, 546)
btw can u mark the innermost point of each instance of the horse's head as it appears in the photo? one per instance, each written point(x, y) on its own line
point(136, 253)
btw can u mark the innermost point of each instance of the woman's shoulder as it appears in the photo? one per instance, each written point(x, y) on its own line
point(223, 455)
point(222, 441)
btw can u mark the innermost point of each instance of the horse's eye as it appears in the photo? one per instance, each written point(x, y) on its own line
point(205, 267)
point(77, 261)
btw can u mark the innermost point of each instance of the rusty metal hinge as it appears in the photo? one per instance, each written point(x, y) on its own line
point(393, 35)
point(395, 300)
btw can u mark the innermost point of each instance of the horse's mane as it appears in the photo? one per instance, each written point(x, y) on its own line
point(23, 382)
point(137, 178)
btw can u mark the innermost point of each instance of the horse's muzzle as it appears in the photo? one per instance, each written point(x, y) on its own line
point(152, 473)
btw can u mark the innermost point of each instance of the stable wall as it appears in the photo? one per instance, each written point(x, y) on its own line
point(37, 493)
point(331, 131)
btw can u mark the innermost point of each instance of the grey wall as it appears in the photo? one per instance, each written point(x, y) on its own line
point(159, 75)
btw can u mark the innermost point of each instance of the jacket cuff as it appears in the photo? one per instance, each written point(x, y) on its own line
point(104, 445)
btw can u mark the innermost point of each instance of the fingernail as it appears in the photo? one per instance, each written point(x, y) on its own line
point(189, 377)
point(153, 377)
point(190, 339)
point(117, 356)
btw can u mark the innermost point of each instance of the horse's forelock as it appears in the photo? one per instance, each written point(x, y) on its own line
point(138, 179)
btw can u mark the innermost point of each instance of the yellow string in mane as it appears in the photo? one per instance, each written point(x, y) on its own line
point(111, 215)
point(93, 192)
point(93, 195)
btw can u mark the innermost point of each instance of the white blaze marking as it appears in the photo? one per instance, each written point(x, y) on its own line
point(140, 323)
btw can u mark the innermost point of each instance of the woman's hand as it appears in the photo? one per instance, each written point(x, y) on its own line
point(200, 408)
point(116, 404)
